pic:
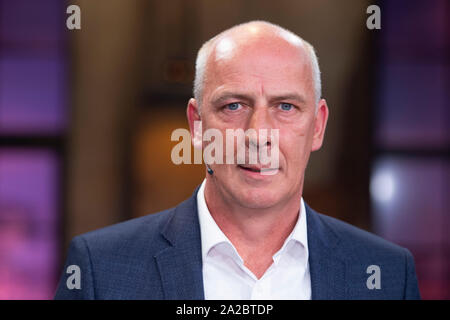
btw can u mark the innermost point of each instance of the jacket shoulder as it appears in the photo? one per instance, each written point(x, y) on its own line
point(360, 242)
point(362, 250)
point(143, 233)
point(116, 260)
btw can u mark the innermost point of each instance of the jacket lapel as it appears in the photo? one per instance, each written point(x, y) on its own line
point(180, 263)
point(327, 268)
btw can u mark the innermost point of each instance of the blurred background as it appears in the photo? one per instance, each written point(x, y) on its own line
point(86, 117)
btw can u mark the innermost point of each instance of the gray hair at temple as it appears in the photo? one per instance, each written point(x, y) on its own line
point(206, 49)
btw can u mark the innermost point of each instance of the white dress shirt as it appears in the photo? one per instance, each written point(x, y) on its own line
point(226, 277)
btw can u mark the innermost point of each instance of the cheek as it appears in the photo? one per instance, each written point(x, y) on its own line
point(293, 146)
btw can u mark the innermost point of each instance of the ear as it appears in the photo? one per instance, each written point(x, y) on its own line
point(194, 120)
point(320, 123)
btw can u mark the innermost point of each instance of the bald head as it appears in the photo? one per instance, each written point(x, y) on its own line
point(249, 38)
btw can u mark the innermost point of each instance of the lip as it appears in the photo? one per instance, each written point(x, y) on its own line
point(256, 171)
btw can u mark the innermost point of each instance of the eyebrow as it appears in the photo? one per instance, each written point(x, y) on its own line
point(241, 96)
point(231, 95)
point(290, 96)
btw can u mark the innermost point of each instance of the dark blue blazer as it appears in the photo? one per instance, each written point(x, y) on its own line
point(158, 256)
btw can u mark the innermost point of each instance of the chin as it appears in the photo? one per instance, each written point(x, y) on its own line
point(257, 198)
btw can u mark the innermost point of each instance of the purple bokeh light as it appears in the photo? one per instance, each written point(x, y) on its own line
point(28, 223)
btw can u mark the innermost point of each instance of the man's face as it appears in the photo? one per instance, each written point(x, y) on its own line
point(263, 84)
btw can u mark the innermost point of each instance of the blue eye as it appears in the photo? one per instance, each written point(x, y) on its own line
point(233, 106)
point(286, 106)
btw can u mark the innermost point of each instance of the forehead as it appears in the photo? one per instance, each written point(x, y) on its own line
point(268, 60)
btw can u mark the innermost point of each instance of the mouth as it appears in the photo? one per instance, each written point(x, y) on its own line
point(257, 169)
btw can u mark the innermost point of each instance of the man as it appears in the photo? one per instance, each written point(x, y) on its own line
point(246, 233)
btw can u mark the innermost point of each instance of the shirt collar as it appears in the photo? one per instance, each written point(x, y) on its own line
point(210, 232)
point(211, 235)
point(298, 235)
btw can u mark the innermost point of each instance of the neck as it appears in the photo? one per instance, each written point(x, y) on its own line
point(257, 230)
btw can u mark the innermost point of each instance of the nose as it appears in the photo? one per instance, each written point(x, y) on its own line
point(259, 120)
